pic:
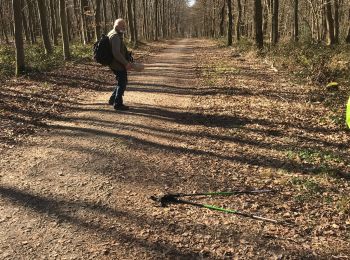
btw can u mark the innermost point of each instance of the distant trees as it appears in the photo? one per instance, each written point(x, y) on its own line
point(268, 21)
point(311, 20)
point(67, 21)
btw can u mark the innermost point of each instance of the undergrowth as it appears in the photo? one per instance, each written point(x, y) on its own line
point(37, 61)
point(315, 64)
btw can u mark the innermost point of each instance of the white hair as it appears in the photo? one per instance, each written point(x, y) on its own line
point(117, 22)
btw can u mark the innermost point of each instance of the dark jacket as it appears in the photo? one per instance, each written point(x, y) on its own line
point(119, 50)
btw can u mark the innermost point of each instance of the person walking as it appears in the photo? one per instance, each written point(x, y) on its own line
point(120, 64)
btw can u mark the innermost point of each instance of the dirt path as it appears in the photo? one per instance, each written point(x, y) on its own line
point(81, 191)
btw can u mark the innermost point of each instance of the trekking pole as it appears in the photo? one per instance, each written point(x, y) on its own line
point(224, 193)
point(230, 211)
point(173, 198)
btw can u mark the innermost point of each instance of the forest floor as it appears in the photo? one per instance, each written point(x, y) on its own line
point(76, 176)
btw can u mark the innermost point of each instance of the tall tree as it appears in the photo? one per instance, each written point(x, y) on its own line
point(3, 25)
point(259, 38)
point(83, 28)
point(239, 20)
point(296, 21)
point(336, 21)
point(64, 29)
point(43, 23)
point(222, 19)
point(131, 21)
point(229, 25)
point(17, 17)
point(155, 22)
point(135, 22)
point(31, 22)
point(347, 39)
point(274, 32)
point(330, 23)
point(53, 22)
point(24, 21)
point(97, 19)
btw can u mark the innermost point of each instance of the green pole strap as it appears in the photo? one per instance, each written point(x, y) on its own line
point(348, 113)
point(220, 209)
point(231, 211)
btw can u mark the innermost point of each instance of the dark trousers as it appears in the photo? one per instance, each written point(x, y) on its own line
point(122, 79)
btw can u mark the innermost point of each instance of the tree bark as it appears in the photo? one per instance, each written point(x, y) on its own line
point(131, 21)
point(229, 24)
point(44, 30)
point(259, 38)
point(164, 27)
point(31, 22)
point(25, 24)
point(145, 27)
point(239, 20)
point(135, 22)
point(296, 21)
point(105, 15)
point(17, 16)
point(330, 23)
point(3, 25)
point(53, 22)
point(336, 21)
point(83, 22)
point(64, 29)
point(274, 38)
point(222, 19)
point(347, 39)
point(98, 20)
point(156, 20)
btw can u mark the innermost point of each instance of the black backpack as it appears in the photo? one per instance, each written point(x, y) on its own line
point(103, 51)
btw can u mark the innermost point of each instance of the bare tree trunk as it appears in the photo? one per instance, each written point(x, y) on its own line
point(83, 22)
point(134, 21)
point(3, 26)
point(239, 20)
point(259, 38)
point(330, 23)
point(296, 21)
point(98, 20)
point(115, 9)
point(274, 38)
point(347, 39)
point(222, 19)
point(44, 30)
point(164, 27)
point(336, 21)
point(69, 24)
point(130, 21)
point(64, 29)
point(156, 20)
point(105, 15)
point(145, 27)
point(24, 21)
point(17, 16)
point(229, 24)
point(53, 23)
point(31, 21)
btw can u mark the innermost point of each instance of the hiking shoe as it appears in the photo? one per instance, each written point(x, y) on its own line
point(121, 107)
point(111, 100)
